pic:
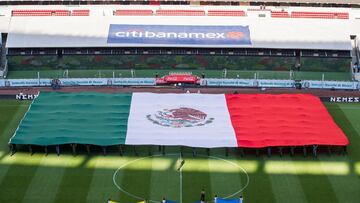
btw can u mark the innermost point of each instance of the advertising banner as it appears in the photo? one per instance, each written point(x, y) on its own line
point(179, 35)
point(246, 83)
point(133, 81)
point(227, 82)
point(83, 81)
point(275, 83)
point(27, 82)
point(330, 84)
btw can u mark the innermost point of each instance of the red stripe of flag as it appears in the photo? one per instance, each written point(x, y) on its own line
point(262, 120)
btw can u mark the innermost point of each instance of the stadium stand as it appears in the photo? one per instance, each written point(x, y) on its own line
point(188, 12)
point(226, 13)
point(133, 12)
point(180, 12)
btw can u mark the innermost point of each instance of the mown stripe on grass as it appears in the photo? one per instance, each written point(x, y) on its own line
point(11, 113)
point(289, 183)
point(17, 180)
point(75, 184)
point(317, 188)
point(10, 119)
point(135, 181)
point(348, 120)
point(346, 187)
point(352, 114)
point(165, 182)
point(285, 186)
point(227, 182)
point(14, 179)
point(196, 176)
point(260, 187)
point(47, 179)
point(102, 186)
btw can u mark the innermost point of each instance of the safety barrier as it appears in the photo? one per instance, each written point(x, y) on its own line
point(312, 84)
point(77, 82)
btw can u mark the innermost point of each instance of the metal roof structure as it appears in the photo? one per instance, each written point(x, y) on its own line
point(62, 32)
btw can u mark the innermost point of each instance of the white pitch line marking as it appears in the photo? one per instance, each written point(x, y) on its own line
point(175, 154)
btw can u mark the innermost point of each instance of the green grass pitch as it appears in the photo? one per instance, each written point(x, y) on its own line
point(40, 178)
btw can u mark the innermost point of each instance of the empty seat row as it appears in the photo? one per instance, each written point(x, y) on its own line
point(322, 15)
point(326, 15)
point(225, 13)
point(133, 12)
point(80, 13)
point(180, 12)
point(274, 14)
point(50, 13)
point(168, 12)
point(279, 14)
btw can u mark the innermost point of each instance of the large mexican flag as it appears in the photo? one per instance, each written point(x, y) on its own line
point(196, 120)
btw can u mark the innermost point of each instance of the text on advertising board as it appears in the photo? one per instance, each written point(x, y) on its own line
point(179, 34)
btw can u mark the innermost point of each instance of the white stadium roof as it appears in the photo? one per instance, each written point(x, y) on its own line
point(26, 32)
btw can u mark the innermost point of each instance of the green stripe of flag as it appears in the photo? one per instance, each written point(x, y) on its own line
point(60, 118)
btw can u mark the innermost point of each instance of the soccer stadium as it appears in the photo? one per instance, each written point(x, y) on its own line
point(175, 101)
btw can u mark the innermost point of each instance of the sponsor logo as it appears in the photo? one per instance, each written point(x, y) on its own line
point(179, 34)
point(180, 117)
point(345, 99)
point(235, 35)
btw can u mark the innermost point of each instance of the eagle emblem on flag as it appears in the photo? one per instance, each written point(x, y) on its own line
point(180, 117)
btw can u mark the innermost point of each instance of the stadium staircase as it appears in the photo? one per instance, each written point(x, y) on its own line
point(225, 13)
point(355, 53)
point(3, 60)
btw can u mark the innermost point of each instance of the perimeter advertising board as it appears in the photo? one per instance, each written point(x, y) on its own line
point(330, 84)
point(179, 35)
